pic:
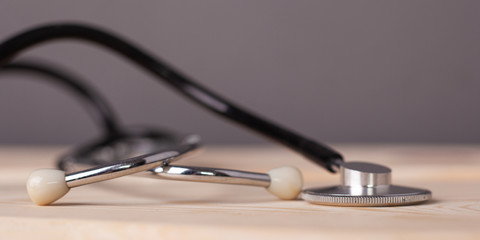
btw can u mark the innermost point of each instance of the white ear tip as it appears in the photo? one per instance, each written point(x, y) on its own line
point(45, 186)
point(285, 182)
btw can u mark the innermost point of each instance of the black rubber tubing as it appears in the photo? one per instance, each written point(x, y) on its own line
point(95, 103)
point(317, 152)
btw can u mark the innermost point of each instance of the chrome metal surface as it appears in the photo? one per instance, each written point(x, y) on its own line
point(366, 197)
point(137, 141)
point(365, 184)
point(133, 165)
point(157, 165)
point(212, 175)
point(364, 174)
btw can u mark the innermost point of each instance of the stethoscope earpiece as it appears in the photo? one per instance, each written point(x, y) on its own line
point(45, 186)
point(285, 182)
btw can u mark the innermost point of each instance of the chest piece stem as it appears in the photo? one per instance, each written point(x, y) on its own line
point(365, 185)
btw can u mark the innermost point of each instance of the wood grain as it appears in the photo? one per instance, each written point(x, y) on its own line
point(142, 208)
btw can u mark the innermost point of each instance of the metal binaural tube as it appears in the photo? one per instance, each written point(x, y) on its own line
point(130, 166)
point(211, 175)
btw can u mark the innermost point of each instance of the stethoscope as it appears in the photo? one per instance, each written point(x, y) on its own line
point(152, 151)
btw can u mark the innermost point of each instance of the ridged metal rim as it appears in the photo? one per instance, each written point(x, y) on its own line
point(332, 199)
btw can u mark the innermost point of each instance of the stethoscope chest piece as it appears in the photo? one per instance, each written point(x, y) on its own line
point(365, 185)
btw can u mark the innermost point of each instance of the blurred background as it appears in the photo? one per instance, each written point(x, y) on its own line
point(337, 71)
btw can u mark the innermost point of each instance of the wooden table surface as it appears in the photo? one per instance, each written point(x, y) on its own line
point(142, 208)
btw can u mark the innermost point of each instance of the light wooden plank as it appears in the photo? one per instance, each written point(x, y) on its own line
point(134, 207)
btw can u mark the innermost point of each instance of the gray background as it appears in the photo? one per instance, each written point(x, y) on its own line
point(337, 71)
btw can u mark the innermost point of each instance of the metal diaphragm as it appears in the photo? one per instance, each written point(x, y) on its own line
point(365, 185)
